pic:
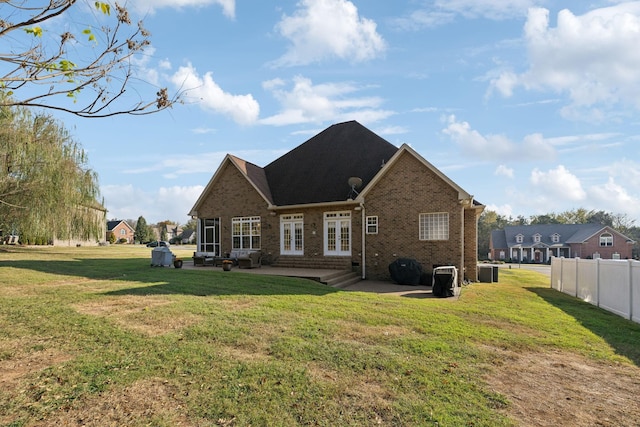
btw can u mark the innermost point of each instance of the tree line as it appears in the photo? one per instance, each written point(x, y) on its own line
point(491, 220)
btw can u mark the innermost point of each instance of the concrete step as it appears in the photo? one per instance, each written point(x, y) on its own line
point(342, 279)
point(319, 263)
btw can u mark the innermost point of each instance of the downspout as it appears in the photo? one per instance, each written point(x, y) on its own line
point(364, 243)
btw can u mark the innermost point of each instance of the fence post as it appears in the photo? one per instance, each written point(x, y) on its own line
point(577, 271)
point(630, 262)
point(598, 281)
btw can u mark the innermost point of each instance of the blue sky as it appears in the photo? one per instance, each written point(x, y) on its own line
point(530, 105)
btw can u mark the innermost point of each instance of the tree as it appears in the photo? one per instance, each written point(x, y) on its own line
point(141, 232)
point(46, 187)
point(52, 62)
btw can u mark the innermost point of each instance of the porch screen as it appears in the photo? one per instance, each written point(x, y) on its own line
point(210, 235)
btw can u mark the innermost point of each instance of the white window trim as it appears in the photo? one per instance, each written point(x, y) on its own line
point(251, 220)
point(604, 238)
point(371, 221)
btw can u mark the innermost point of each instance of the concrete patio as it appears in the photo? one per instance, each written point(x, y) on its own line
point(325, 276)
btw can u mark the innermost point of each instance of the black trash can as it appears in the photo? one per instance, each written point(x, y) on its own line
point(494, 276)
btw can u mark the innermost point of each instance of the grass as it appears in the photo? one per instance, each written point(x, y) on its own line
point(99, 328)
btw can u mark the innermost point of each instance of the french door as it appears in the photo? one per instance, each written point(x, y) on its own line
point(337, 233)
point(291, 234)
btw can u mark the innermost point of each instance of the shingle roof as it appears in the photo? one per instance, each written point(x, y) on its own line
point(318, 170)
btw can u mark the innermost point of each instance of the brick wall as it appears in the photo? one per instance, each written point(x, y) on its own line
point(591, 246)
point(407, 190)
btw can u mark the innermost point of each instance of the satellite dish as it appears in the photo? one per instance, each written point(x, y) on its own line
point(355, 182)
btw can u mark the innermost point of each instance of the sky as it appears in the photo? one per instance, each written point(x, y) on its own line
point(530, 105)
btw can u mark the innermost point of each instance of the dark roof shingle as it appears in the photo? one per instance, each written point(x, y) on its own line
point(318, 170)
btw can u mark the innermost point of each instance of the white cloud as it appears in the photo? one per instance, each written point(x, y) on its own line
point(305, 102)
point(205, 92)
point(503, 170)
point(327, 29)
point(592, 58)
point(505, 210)
point(149, 6)
point(557, 185)
point(442, 12)
point(129, 202)
point(613, 197)
point(497, 147)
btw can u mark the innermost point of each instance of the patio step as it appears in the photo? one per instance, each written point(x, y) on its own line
point(341, 279)
point(337, 263)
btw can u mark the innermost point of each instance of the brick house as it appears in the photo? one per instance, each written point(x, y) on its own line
point(538, 243)
point(120, 229)
point(345, 198)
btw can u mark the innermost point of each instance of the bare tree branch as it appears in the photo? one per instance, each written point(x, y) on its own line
point(43, 74)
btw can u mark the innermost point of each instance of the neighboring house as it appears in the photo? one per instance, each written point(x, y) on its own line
point(188, 237)
point(538, 243)
point(120, 229)
point(345, 198)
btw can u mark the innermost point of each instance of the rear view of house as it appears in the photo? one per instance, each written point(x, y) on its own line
point(345, 198)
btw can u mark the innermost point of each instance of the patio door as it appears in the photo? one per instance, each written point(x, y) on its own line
point(291, 234)
point(337, 233)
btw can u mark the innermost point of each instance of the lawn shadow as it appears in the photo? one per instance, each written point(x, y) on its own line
point(621, 334)
point(168, 280)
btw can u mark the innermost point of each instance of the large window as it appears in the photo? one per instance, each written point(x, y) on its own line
point(434, 226)
point(246, 232)
point(606, 239)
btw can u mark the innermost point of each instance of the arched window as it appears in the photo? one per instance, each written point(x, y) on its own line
point(606, 239)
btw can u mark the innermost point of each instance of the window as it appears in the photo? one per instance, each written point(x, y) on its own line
point(555, 238)
point(434, 226)
point(246, 232)
point(519, 238)
point(606, 239)
point(372, 225)
point(536, 238)
point(123, 232)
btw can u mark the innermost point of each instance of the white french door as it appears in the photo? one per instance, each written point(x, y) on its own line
point(337, 233)
point(291, 234)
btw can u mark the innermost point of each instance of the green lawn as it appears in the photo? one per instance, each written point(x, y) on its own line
point(99, 328)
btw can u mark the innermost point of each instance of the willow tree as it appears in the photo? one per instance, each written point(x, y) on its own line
point(47, 189)
point(76, 56)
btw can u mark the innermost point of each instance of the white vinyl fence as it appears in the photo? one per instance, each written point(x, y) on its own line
point(610, 284)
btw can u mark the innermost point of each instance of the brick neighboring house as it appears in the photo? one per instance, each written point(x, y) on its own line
point(538, 243)
point(345, 198)
point(120, 229)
